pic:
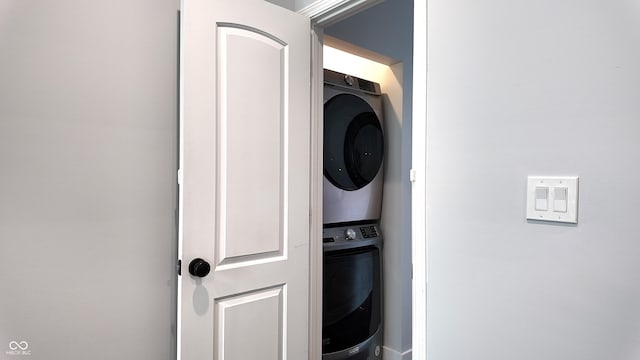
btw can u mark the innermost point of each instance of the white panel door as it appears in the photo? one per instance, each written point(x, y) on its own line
point(245, 145)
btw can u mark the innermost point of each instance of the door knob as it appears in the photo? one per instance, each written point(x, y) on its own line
point(199, 267)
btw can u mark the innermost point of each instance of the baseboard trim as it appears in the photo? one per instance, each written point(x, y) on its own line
point(390, 354)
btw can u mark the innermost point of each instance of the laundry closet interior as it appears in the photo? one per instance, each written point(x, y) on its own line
point(375, 44)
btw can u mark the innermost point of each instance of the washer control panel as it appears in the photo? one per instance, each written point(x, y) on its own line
point(350, 235)
point(369, 231)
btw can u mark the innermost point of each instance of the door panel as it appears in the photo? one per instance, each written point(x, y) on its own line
point(265, 309)
point(251, 96)
point(245, 191)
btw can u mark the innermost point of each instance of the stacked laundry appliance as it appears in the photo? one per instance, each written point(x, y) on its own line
point(352, 187)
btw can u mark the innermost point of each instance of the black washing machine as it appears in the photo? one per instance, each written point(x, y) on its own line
point(352, 293)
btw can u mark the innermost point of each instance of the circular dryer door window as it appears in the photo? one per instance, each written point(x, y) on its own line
point(353, 142)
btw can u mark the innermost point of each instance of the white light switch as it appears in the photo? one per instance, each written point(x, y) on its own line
point(551, 198)
point(542, 198)
point(560, 199)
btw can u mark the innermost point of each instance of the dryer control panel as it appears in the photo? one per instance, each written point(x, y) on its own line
point(351, 82)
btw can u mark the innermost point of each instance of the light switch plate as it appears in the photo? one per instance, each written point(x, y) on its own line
point(562, 198)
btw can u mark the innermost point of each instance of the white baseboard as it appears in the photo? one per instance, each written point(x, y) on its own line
point(390, 354)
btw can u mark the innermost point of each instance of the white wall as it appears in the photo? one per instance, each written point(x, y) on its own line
point(301, 4)
point(387, 29)
point(88, 155)
point(287, 4)
point(520, 88)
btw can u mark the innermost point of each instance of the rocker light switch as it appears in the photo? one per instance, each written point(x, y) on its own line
point(560, 199)
point(551, 198)
point(542, 198)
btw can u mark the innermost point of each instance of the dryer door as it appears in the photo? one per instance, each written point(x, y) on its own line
point(353, 142)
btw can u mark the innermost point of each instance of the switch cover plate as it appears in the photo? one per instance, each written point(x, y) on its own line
point(562, 198)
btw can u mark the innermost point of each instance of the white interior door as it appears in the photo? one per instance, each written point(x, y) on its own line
point(245, 181)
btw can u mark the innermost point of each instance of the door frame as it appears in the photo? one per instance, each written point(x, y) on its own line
point(327, 12)
point(322, 14)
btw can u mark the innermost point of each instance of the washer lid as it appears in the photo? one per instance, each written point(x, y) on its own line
point(353, 142)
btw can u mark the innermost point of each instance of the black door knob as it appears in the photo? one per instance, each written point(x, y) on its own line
point(199, 267)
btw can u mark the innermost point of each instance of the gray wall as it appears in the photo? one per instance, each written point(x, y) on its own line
point(521, 88)
point(87, 178)
point(387, 29)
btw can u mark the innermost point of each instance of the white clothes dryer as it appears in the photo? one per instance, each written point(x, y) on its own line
point(353, 149)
